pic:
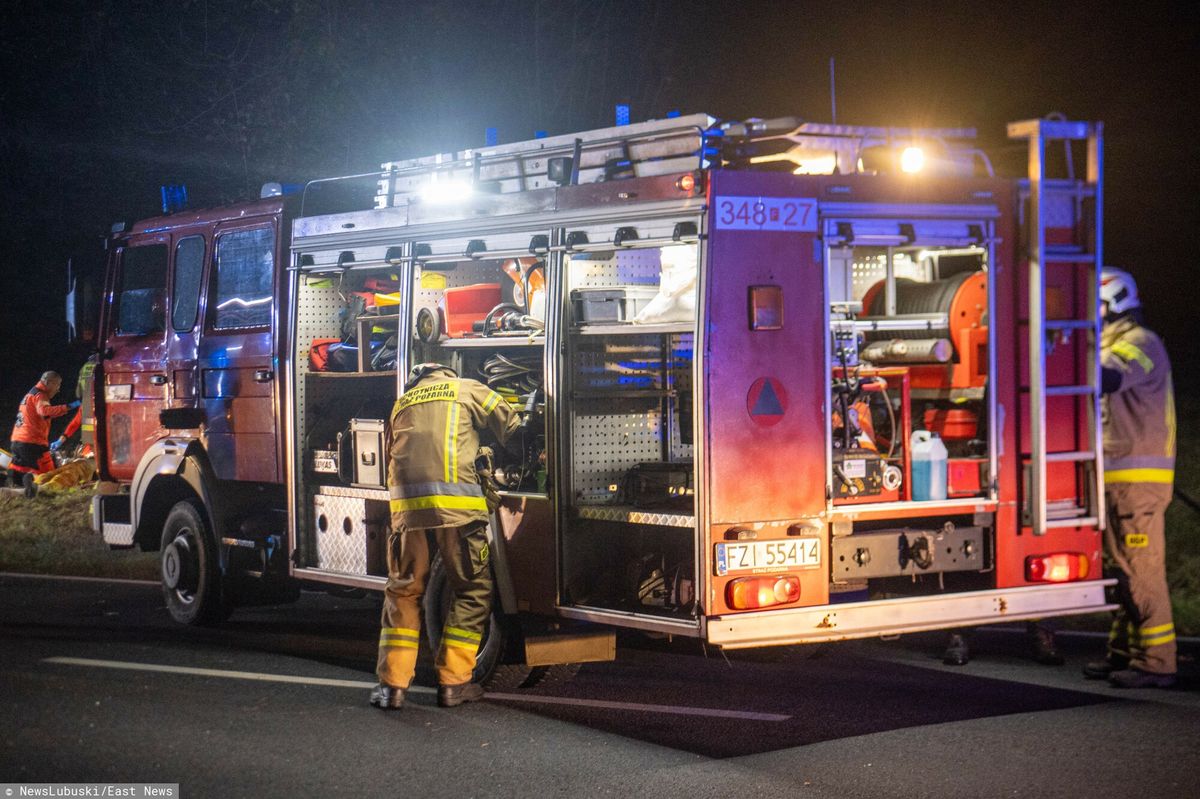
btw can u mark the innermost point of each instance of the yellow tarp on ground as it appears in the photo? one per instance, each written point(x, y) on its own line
point(68, 475)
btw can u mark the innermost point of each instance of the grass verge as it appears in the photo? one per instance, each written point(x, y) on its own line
point(52, 534)
point(1183, 522)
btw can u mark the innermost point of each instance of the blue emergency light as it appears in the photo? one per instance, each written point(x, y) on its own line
point(174, 198)
point(622, 114)
point(492, 137)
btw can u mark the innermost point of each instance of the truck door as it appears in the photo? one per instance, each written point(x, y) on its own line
point(236, 354)
point(135, 381)
point(187, 272)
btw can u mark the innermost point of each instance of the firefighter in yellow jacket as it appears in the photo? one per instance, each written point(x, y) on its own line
point(1139, 472)
point(437, 500)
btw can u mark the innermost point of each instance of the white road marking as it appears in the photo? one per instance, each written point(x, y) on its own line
point(70, 578)
point(224, 673)
point(640, 708)
point(545, 700)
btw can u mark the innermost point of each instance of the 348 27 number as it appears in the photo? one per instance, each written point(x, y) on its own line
point(795, 214)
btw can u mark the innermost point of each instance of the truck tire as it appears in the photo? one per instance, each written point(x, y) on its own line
point(498, 667)
point(191, 578)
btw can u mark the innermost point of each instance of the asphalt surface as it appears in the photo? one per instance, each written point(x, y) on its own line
point(84, 697)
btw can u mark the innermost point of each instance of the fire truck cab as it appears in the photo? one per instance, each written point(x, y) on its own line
point(791, 382)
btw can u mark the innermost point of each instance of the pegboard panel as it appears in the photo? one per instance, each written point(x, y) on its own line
point(317, 308)
point(868, 269)
point(621, 268)
point(609, 437)
point(620, 386)
point(619, 363)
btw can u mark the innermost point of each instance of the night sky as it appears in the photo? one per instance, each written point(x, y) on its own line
point(101, 103)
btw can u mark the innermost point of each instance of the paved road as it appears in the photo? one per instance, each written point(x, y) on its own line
point(96, 684)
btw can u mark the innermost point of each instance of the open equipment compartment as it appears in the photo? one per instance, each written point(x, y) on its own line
point(630, 538)
point(339, 408)
point(912, 457)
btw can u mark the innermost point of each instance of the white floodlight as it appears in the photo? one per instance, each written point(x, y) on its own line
point(445, 191)
point(912, 159)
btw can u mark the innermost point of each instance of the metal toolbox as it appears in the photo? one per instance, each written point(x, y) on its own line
point(351, 533)
point(370, 459)
point(610, 306)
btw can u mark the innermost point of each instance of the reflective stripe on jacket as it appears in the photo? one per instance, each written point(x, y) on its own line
point(34, 415)
point(1139, 417)
point(434, 440)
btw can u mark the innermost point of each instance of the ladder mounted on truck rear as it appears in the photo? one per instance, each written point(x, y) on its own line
point(1075, 205)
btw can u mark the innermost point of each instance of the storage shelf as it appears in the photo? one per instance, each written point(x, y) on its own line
point(624, 393)
point(380, 494)
point(947, 393)
point(913, 508)
point(631, 515)
point(627, 329)
point(350, 375)
point(492, 342)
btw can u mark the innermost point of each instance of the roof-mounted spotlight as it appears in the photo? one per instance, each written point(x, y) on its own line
point(912, 160)
point(442, 192)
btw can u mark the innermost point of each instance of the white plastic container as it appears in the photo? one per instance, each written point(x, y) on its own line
point(5, 459)
point(928, 466)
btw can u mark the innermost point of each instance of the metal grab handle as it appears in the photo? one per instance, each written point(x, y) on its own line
point(263, 376)
point(158, 380)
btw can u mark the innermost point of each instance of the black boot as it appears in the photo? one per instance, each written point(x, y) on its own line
point(1136, 678)
point(1102, 669)
point(957, 653)
point(453, 695)
point(30, 486)
point(386, 697)
point(1041, 641)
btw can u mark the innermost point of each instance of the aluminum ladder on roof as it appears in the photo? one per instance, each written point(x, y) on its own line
point(1046, 198)
point(641, 149)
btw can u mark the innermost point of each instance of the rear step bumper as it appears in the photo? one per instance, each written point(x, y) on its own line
point(906, 615)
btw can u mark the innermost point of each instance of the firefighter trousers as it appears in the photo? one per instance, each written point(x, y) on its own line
point(1143, 632)
point(464, 553)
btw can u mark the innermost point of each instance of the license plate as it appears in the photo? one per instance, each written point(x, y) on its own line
point(794, 553)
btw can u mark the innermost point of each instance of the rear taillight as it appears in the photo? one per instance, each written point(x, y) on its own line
point(1058, 567)
point(762, 592)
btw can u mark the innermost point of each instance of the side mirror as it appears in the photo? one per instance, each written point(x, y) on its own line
point(82, 304)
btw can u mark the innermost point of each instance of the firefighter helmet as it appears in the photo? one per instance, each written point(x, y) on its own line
point(420, 370)
point(1118, 289)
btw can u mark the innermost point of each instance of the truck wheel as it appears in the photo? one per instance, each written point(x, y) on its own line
point(495, 666)
point(188, 565)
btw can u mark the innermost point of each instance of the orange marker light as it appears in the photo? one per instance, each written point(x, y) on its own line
point(762, 592)
point(686, 183)
point(1058, 567)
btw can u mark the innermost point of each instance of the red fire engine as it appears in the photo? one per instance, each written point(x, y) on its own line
point(796, 382)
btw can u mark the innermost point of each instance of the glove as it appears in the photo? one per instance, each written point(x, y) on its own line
point(73, 404)
point(57, 445)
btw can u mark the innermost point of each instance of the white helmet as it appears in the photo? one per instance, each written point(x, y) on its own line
point(1118, 289)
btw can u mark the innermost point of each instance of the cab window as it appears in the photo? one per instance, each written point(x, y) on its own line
point(189, 263)
point(141, 300)
point(245, 270)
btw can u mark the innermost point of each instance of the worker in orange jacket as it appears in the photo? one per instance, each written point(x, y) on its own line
point(31, 433)
point(438, 504)
point(1139, 474)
